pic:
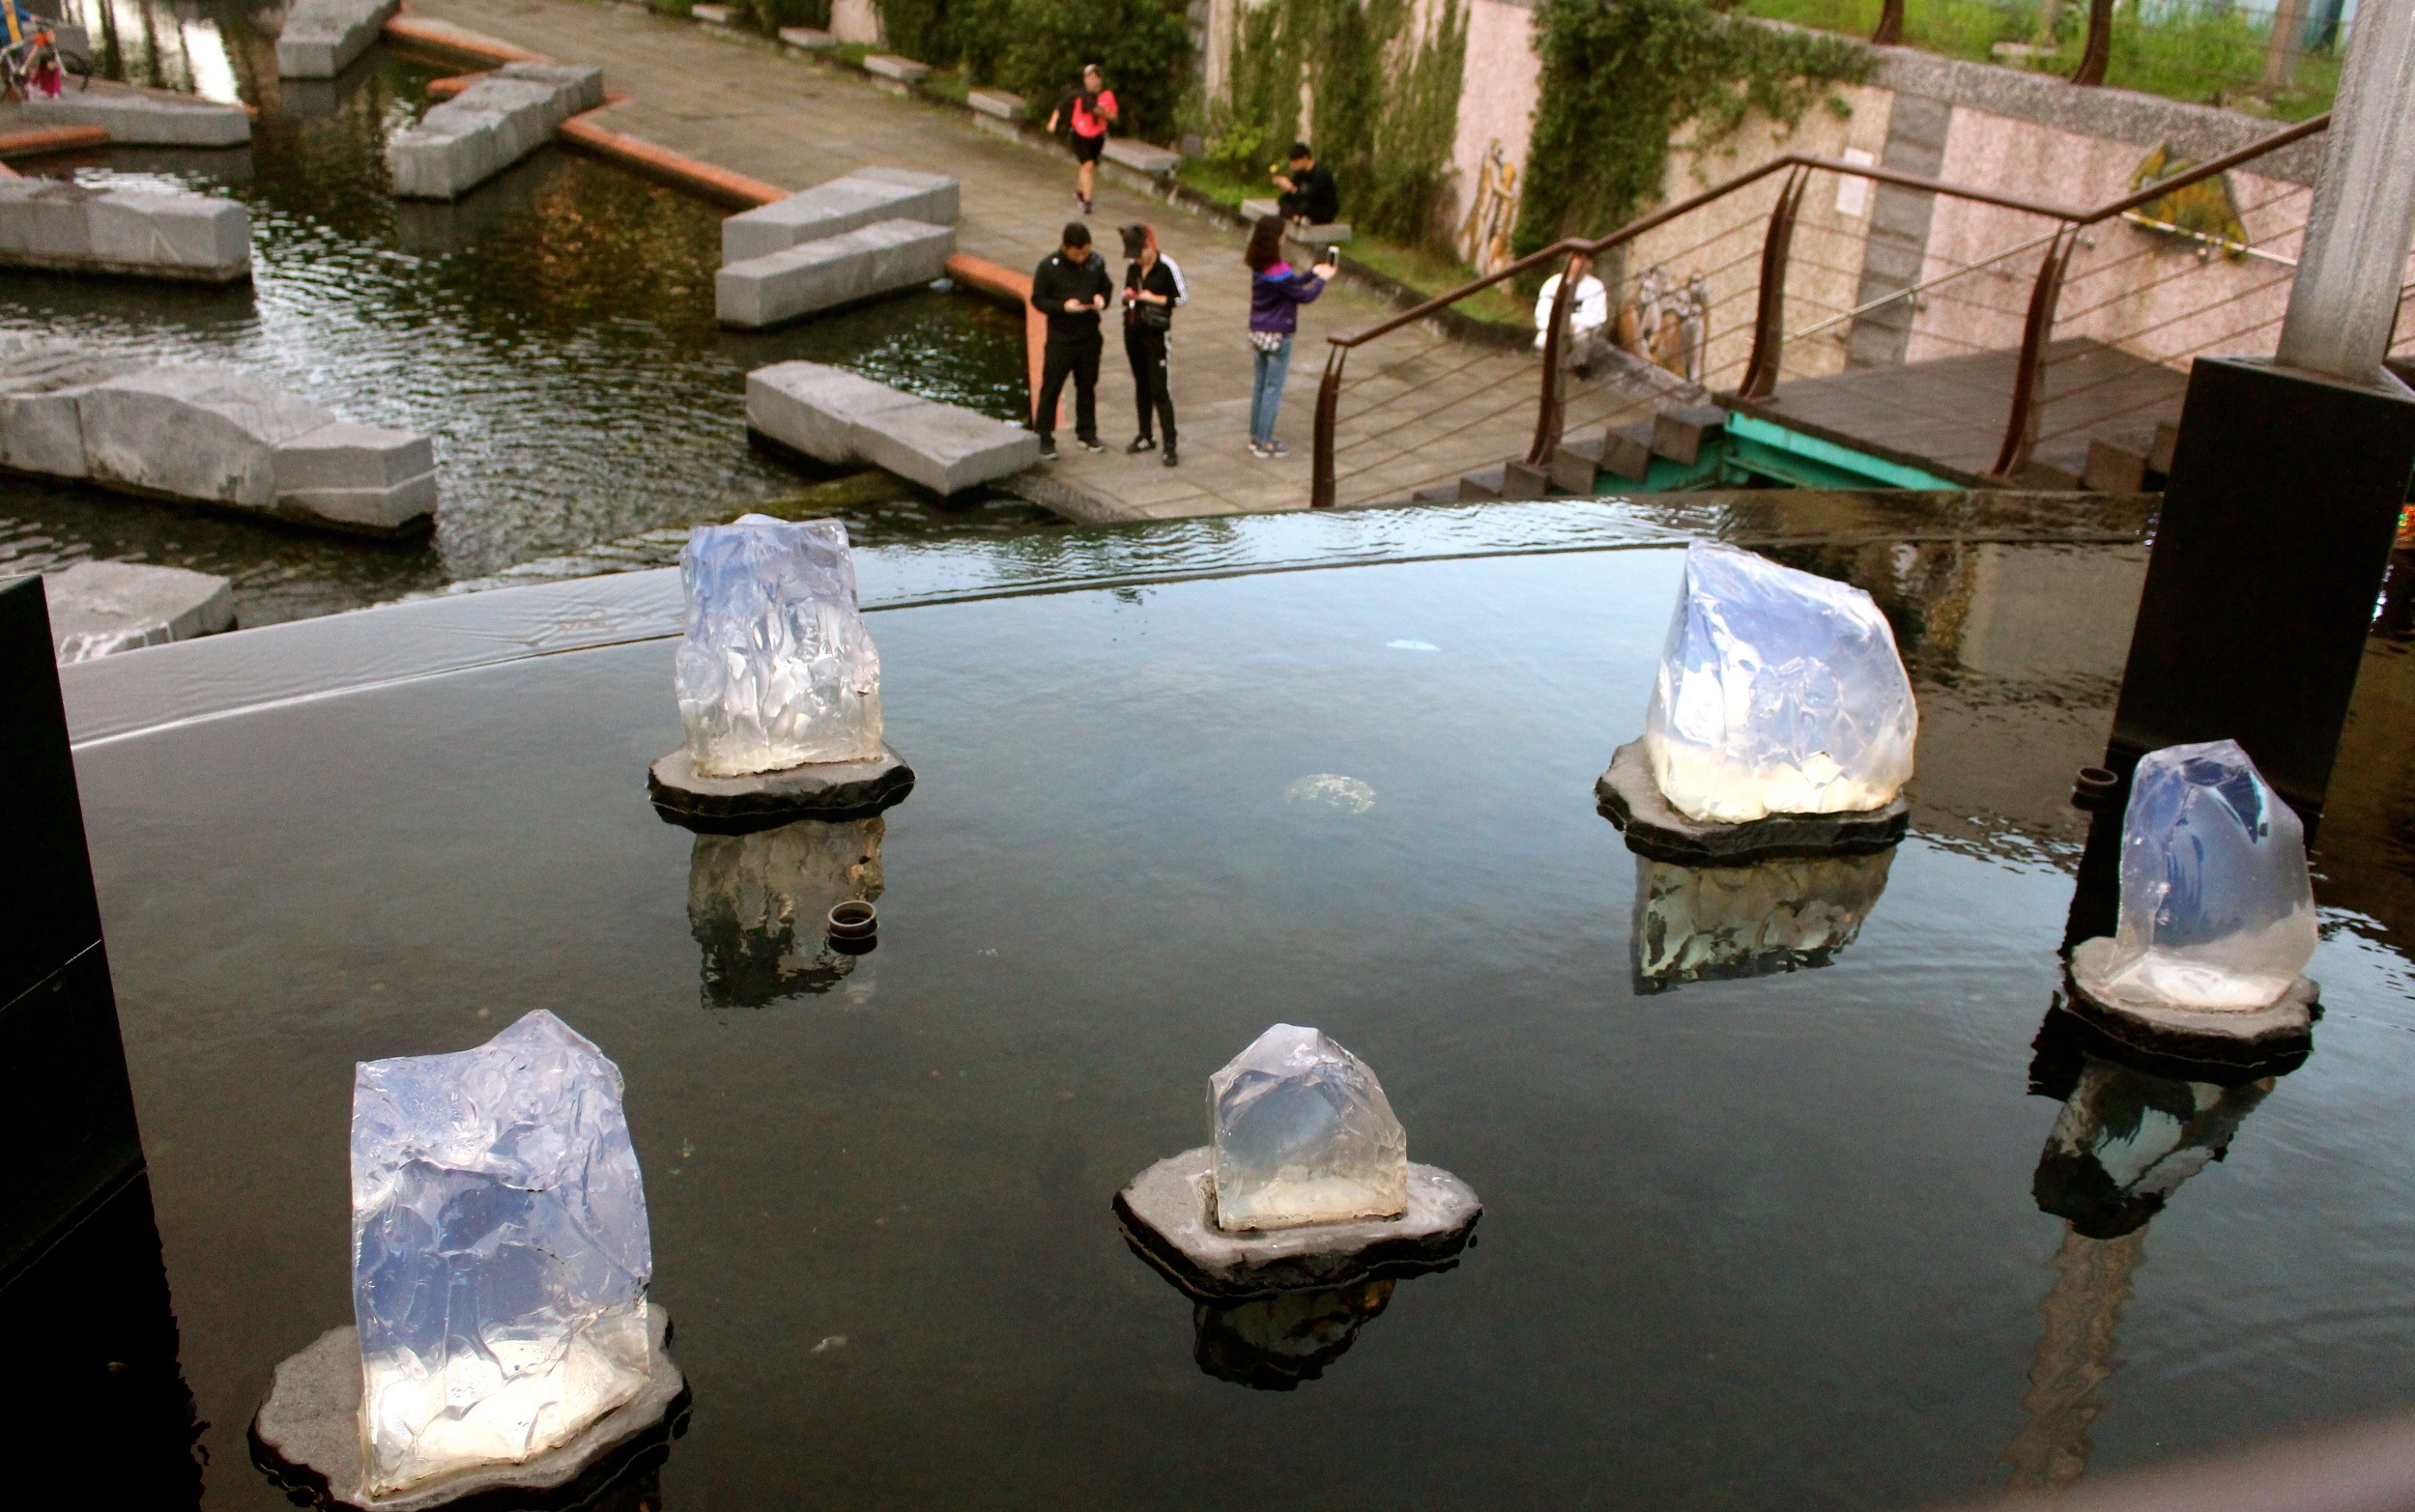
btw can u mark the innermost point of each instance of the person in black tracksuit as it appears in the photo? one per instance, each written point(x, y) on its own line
point(1153, 285)
point(1071, 288)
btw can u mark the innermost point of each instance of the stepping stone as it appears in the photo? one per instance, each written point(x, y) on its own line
point(834, 416)
point(842, 205)
point(73, 228)
point(500, 119)
point(877, 259)
point(99, 608)
point(134, 120)
point(322, 37)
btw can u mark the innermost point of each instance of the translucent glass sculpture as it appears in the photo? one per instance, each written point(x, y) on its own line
point(1303, 1134)
point(777, 669)
point(2217, 910)
point(1780, 693)
point(499, 1251)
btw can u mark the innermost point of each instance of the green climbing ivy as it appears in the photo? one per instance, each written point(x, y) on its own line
point(1384, 103)
point(1622, 78)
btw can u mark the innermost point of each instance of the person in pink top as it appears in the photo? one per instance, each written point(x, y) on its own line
point(1089, 110)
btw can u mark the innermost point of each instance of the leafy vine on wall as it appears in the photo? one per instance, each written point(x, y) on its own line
point(1622, 78)
point(1382, 96)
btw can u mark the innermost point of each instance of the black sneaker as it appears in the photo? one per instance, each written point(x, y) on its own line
point(1141, 444)
point(1047, 451)
point(1091, 443)
point(1170, 456)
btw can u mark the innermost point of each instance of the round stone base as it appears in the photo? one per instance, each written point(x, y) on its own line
point(307, 1438)
point(764, 800)
point(1630, 798)
point(1168, 1217)
point(2237, 1038)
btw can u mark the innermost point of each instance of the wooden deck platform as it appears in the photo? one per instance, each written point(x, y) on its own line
point(1947, 417)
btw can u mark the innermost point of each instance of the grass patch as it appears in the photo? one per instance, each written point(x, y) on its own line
point(2202, 54)
point(949, 84)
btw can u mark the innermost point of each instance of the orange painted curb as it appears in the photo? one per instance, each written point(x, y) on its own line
point(979, 273)
point(665, 166)
point(447, 87)
point(56, 140)
point(437, 36)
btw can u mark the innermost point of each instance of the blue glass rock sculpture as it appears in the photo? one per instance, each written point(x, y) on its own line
point(1779, 692)
point(499, 1252)
point(2217, 909)
point(777, 669)
point(1303, 1134)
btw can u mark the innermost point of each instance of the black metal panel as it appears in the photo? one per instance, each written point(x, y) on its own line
point(48, 912)
point(2276, 530)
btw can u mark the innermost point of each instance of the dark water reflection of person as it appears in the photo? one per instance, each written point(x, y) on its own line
point(2126, 1140)
point(758, 904)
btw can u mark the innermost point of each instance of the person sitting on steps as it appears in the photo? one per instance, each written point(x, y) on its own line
point(1311, 196)
point(1071, 288)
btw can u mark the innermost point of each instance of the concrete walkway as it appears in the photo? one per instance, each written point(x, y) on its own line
point(796, 123)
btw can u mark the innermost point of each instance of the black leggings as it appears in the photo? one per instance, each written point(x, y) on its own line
point(1146, 347)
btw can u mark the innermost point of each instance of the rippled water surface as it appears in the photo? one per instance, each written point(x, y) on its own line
point(553, 332)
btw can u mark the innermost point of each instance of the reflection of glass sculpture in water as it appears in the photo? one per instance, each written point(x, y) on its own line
point(2126, 1140)
point(499, 1251)
point(1274, 1343)
point(2217, 910)
point(1704, 923)
point(758, 904)
point(777, 669)
point(1303, 1134)
point(1779, 692)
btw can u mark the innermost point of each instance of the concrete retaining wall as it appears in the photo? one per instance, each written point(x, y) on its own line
point(321, 37)
point(190, 238)
point(817, 275)
point(98, 608)
point(138, 119)
point(833, 416)
point(840, 206)
point(210, 435)
point(504, 117)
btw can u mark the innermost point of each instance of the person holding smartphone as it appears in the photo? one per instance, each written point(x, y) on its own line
point(1071, 288)
point(1153, 286)
point(1277, 291)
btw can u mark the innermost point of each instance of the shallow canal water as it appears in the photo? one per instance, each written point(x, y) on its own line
point(1856, 1226)
point(553, 332)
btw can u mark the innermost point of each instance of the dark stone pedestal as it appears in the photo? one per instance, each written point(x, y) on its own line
point(763, 800)
point(308, 1439)
point(1630, 798)
point(2237, 1038)
point(1170, 1219)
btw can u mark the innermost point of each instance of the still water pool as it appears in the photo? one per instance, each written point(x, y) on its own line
point(553, 332)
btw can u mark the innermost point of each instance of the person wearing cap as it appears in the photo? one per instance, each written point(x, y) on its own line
point(1071, 288)
point(1089, 110)
point(1153, 287)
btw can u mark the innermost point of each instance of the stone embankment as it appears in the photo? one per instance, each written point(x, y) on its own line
point(135, 118)
point(833, 416)
point(322, 37)
point(52, 223)
point(876, 231)
point(501, 118)
point(98, 608)
point(211, 436)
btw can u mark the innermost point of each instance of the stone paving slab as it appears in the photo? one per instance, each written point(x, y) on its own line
point(135, 118)
point(322, 37)
point(797, 122)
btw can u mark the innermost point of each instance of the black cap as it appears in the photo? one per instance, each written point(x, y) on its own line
point(1135, 239)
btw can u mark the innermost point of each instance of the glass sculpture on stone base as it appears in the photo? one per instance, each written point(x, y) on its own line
point(1781, 720)
point(2217, 912)
point(1306, 1183)
point(778, 683)
point(500, 1252)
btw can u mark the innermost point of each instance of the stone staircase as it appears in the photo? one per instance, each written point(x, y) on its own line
point(1679, 448)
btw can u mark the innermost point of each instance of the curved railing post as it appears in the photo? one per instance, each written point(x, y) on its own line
point(2038, 333)
point(1552, 414)
point(1761, 374)
point(1328, 417)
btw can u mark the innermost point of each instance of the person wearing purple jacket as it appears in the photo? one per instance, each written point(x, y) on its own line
point(1277, 291)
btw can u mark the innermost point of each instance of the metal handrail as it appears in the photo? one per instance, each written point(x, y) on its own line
point(1768, 335)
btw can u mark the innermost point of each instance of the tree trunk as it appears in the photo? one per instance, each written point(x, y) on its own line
point(1892, 24)
point(2280, 54)
point(2100, 48)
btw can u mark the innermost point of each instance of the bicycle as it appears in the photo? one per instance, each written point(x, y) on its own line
point(34, 65)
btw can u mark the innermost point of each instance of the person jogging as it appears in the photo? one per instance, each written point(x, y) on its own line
point(1277, 291)
point(1153, 286)
point(1090, 110)
point(1071, 288)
